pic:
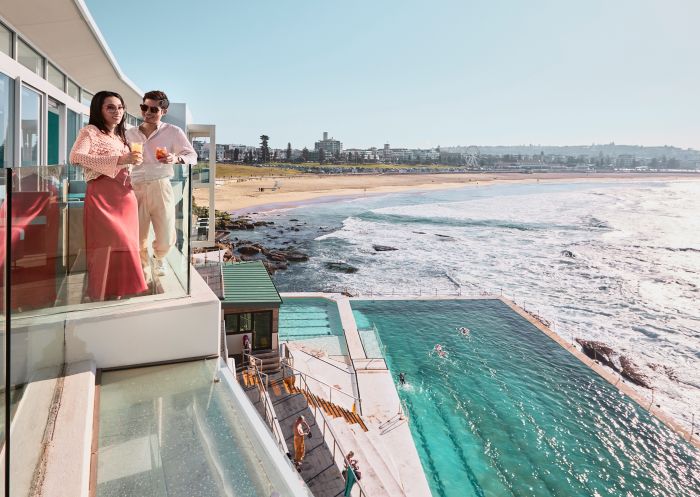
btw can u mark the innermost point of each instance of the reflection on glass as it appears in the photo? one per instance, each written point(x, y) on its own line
point(5, 40)
point(55, 76)
point(31, 105)
point(6, 100)
point(53, 125)
point(75, 173)
point(72, 89)
point(86, 97)
point(29, 58)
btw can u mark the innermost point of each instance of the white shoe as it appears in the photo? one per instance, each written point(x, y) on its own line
point(159, 267)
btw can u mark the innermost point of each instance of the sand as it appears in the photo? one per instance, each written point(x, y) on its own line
point(259, 194)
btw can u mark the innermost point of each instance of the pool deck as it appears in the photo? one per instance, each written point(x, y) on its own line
point(381, 403)
point(380, 410)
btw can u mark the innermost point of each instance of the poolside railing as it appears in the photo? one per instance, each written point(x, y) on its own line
point(326, 430)
point(355, 402)
point(262, 384)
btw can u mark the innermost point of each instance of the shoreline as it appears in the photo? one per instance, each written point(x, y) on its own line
point(243, 196)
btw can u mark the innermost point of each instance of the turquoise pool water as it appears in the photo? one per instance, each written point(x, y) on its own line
point(314, 321)
point(508, 412)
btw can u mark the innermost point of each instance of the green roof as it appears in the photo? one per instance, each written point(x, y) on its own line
point(248, 283)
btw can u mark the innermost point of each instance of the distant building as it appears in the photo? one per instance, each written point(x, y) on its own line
point(625, 161)
point(330, 146)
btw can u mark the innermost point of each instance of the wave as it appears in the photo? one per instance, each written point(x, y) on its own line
point(373, 216)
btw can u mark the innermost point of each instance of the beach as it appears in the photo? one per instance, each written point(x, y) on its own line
point(242, 195)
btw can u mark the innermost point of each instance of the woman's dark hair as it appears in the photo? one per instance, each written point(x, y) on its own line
point(96, 118)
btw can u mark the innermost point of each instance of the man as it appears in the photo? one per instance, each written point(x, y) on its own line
point(301, 429)
point(151, 179)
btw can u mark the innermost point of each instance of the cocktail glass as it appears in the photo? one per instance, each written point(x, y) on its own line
point(161, 152)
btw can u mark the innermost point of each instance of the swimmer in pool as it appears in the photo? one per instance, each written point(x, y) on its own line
point(464, 331)
point(440, 351)
point(402, 378)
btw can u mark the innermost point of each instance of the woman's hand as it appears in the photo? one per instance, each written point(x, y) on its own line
point(134, 158)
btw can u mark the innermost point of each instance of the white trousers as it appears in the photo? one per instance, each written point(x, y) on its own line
point(157, 207)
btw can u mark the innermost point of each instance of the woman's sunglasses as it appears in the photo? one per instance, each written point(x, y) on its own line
point(146, 108)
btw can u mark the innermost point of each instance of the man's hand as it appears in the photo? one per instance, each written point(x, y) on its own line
point(169, 159)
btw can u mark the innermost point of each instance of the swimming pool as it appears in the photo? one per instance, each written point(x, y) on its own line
point(509, 412)
point(313, 321)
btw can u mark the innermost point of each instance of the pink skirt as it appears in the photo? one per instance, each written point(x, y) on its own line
point(112, 238)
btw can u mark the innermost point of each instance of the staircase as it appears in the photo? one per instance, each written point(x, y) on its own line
point(329, 408)
point(268, 361)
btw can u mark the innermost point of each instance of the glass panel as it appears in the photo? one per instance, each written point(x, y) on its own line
point(56, 77)
point(5, 40)
point(86, 97)
point(231, 323)
point(75, 173)
point(29, 58)
point(172, 431)
point(246, 322)
point(30, 126)
point(34, 266)
point(4, 385)
point(6, 111)
point(53, 133)
point(72, 89)
point(262, 335)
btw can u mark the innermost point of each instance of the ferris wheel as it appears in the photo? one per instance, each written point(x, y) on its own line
point(471, 157)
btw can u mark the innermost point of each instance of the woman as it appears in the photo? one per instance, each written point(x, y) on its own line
point(111, 212)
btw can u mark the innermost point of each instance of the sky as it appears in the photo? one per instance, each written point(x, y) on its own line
point(419, 73)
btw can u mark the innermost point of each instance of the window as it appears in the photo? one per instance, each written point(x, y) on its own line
point(231, 321)
point(29, 58)
point(53, 132)
point(86, 97)
point(6, 121)
point(30, 126)
point(56, 77)
point(73, 127)
point(5, 40)
point(246, 322)
point(72, 89)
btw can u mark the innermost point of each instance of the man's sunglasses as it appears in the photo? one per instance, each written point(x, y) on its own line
point(146, 108)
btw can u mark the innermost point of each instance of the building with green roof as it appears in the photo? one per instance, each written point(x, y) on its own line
point(250, 306)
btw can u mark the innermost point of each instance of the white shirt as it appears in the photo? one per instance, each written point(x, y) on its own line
point(168, 136)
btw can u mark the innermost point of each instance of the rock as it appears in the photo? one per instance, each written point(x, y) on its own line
point(631, 371)
point(568, 253)
point(383, 248)
point(275, 255)
point(341, 267)
point(248, 250)
point(295, 220)
point(598, 351)
point(297, 256)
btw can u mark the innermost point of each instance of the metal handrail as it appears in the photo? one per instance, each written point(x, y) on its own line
point(357, 401)
point(326, 424)
point(270, 416)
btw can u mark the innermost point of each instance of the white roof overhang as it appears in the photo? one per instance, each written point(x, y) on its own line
point(65, 32)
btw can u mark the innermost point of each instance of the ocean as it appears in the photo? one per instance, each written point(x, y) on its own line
point(617, 262)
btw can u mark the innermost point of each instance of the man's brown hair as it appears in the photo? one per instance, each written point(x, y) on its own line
point(159, 96)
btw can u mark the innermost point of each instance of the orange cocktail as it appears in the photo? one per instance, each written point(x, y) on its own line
point(161, 153)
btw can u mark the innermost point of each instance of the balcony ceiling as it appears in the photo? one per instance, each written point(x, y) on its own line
point(66, 33)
